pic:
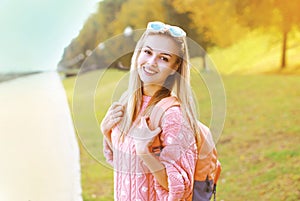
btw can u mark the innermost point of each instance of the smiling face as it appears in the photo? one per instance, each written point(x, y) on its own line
point(157, 60)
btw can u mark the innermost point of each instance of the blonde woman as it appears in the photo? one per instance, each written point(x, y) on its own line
point(159, 69)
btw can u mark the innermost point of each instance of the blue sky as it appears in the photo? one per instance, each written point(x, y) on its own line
point(33, 33)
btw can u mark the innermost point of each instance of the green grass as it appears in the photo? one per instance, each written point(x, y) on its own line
point(261, 135)
point(259, 148)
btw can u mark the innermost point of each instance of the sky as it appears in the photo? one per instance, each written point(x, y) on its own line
point(34, 33)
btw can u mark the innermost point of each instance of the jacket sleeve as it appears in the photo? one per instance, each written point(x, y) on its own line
point(107, 152)
point(178, 156)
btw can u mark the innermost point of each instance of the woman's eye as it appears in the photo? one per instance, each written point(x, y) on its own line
point(164, 59)
point(147, 51)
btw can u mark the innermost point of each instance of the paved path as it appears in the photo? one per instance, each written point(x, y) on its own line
point(39, 155)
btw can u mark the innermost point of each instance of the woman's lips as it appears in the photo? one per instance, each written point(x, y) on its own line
point(148, 71)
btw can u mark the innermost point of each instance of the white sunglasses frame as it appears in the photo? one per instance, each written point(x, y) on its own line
point(174, 30)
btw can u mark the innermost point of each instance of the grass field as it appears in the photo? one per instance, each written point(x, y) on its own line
point(259, 148)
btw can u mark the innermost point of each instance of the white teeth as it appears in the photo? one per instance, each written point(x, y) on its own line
point(149, 71)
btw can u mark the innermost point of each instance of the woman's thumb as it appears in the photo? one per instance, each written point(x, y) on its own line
point(144, 122)
point(156, 131)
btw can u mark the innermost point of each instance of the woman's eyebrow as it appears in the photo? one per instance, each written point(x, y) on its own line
point(167, 54)
point(149, 47)
point(163, 53)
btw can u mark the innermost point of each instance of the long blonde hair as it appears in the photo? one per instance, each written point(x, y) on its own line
point(177, 84)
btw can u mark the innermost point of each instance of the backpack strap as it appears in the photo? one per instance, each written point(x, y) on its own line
point(155, 117)
point(217, 175)
point(160, 108)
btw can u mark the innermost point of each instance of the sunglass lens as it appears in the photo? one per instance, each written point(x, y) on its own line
point(176, 31)
point(157, 26)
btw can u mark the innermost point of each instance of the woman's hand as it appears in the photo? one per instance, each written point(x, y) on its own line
point(143, 136)
point(113, 116)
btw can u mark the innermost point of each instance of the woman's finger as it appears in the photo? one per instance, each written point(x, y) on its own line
point(144, 122)
point(117, 119)
point(118, 108)
point(150, 133)
point(115, 111)
point(115, 115)
point(112, 117)
point(118, 114)
point(115, 105)
point(156, 131)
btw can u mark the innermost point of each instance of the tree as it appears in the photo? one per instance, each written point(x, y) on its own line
point(113, 16)
point(215, 21)
point(183, 20)
point(280, 14)
point(290, 17)
point(136, 13)
point(96, 28)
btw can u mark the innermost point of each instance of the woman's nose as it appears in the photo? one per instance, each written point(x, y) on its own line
point(152, 60)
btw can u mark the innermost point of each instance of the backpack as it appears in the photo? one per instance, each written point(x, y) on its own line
point(208, 167)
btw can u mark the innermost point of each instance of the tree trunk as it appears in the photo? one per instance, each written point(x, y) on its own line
point(283, 57)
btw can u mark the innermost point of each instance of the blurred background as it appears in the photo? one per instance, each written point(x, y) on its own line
point(255, 46)
point(35, 33)
point(241, 37)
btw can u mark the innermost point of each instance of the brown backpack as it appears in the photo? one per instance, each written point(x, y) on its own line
point(208, 168)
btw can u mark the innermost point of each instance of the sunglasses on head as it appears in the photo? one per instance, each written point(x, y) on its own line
point(159, 26)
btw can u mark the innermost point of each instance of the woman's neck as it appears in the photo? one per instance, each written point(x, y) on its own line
point(150, 90)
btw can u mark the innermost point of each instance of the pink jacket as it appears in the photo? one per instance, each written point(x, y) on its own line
point(132, 179)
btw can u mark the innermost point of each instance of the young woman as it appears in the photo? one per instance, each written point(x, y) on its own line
point(159, 69)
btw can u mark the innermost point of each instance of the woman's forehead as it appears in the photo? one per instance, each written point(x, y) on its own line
point(161, 43)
